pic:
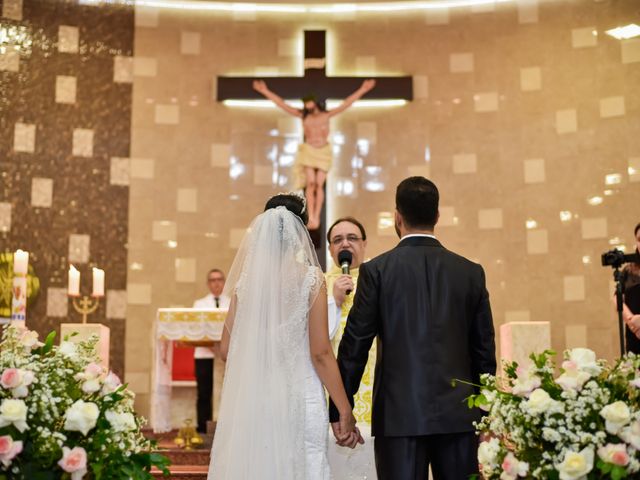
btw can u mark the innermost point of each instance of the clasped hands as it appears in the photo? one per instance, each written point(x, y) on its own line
point(346, 432)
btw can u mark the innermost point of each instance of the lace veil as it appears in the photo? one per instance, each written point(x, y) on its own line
point(275, 278)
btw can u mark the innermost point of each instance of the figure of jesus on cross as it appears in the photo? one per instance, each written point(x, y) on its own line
point(314, 156)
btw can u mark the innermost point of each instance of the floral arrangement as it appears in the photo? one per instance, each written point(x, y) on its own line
point(63, 416)
point(582, 424)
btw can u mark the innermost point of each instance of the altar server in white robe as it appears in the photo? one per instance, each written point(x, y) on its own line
point(204, 356)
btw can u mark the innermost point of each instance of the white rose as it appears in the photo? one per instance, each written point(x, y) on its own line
point(631, 434)
point(13, 412)
point(91, 386)
point(29, 339)
point(81, 417)
point(68, 349)
point(576, 465)
point(573, 378)
point(616, 416)
point(585, 360)
point(121, 422)
point(490, 396)
point(526, 382)
point(488, 452)
point(538, 402)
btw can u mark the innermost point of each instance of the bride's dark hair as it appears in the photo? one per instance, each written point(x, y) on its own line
point(294, 203)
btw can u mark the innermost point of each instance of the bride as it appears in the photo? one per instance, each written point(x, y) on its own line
point(273, 423)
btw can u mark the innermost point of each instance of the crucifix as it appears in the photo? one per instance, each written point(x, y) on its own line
point(316, 81)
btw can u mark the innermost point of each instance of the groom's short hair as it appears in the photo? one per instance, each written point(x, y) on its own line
point(417, 201)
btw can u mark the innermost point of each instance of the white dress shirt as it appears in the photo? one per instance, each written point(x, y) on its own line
point(334, 315)
point(430, 235)
point(209, 302)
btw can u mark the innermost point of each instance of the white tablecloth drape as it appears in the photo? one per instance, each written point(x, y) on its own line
point(183, 325)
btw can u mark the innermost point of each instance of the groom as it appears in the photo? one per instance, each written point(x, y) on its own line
point(429, 309)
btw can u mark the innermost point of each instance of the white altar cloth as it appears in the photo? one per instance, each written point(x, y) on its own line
point(182, 325)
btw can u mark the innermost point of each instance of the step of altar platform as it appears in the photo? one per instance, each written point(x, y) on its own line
point(190, 464)
point(184, 472)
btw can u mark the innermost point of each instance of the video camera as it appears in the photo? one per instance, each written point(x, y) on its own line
point(615, 258)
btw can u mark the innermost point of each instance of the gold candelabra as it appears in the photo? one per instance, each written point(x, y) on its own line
point(85, 305)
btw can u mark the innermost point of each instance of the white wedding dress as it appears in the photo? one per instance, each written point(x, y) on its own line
point(273, 422)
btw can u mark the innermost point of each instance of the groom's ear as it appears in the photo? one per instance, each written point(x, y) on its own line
point(398, 220)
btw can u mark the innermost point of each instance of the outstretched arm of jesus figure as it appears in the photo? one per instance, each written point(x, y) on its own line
point(366, 86)
point(261, 87)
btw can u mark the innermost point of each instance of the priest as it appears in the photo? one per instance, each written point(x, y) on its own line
point(347, 243)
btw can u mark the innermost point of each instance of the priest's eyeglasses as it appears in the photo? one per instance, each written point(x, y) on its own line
point(349, 238)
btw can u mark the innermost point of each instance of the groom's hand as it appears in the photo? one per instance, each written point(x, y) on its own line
point(346, 432)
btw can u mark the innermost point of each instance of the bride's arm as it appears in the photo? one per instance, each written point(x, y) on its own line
point(226, 331)
point(326, 366)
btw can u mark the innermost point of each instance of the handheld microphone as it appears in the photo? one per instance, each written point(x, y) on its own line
point(344, 259)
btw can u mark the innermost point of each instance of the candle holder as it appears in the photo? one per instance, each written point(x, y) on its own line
point(85, 306)
point(188, 437)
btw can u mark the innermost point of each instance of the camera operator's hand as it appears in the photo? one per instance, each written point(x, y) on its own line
point(634, 324)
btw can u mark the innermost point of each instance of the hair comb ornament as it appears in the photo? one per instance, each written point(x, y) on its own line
point(300, 196)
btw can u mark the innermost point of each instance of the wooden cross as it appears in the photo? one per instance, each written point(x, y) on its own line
point(314, 80)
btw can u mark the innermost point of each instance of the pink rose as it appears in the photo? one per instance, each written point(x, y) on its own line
point(6, 442)
point(10, 378)
point(614, 453)
point(512, 468)
point(74, 461)
point(9, 449)
point(620, 458)
point(111, 383)
point(93, 370)
point(507, 464)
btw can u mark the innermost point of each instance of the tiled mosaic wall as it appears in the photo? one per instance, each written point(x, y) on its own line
point(65, 123)
point(526, 115)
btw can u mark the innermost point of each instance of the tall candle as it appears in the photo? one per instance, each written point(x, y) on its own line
point(98, 282)
point(20, 262)
point(74, 281)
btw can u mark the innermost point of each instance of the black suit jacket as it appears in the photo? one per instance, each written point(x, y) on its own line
point(429, 309)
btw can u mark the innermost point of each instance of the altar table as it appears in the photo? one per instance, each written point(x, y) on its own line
point(177, 325)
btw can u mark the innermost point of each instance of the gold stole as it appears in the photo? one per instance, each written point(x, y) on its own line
point(362, 399)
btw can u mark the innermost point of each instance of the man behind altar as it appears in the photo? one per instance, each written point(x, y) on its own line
point(203, 356)
point(347, 234)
